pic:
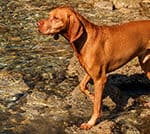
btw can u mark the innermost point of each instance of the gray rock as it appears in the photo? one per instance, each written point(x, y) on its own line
point(145, 4)
point(106, 5)
point(75, 69)
point(126, 3)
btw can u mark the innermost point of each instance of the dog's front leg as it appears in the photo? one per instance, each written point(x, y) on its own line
point(84, 88)
point(98, 87)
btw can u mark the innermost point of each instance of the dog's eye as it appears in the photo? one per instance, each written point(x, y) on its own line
point(51, 19)
point(55, 17)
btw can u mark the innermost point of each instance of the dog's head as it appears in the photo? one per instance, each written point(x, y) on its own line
point(61, 20)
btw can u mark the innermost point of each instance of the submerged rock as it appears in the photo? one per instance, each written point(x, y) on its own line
point(11, 84)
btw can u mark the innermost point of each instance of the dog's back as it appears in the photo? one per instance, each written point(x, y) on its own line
point(126, 41)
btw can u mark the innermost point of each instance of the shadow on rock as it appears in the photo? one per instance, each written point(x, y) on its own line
point(127, 92)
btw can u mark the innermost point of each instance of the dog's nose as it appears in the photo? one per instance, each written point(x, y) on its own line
point(40, 23)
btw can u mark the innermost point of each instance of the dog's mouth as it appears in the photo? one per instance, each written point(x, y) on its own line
point(55, 35)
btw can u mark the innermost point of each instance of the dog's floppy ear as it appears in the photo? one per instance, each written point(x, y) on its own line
point(75, 28)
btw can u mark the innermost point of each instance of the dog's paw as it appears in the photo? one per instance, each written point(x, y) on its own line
point(86, 126)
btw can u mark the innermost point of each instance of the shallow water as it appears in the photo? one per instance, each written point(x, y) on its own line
point(36, 93)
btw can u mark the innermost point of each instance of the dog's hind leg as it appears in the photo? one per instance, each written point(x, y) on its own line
point(146, 67)
point(144, 60)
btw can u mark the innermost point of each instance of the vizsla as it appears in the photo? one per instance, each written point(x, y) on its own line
point(99, 49)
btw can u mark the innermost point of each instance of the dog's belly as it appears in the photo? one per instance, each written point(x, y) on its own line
point(113, 65)
point(119, 56)
point(118, 61)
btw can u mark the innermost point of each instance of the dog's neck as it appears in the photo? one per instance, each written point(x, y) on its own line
point(78, 44)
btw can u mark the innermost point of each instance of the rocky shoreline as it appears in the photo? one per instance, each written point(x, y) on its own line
point(39, 91)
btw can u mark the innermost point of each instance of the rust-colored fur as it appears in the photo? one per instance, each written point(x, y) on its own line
point(100, 49)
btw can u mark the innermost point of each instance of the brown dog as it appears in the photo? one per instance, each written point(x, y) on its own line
point(100, 49)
